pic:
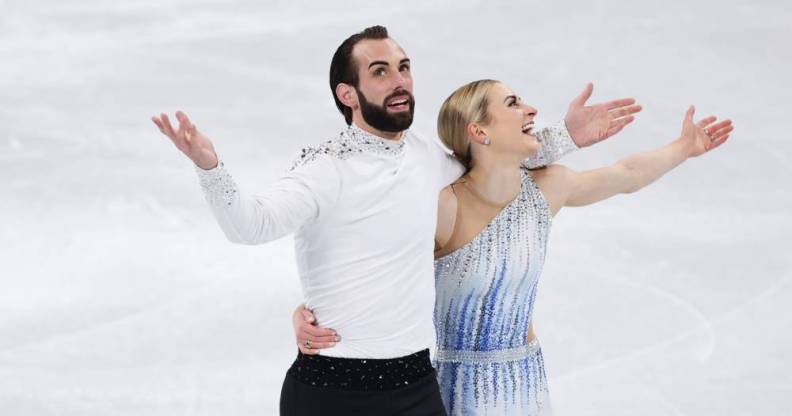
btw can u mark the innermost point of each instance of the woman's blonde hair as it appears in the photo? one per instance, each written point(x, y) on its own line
point(468, 104)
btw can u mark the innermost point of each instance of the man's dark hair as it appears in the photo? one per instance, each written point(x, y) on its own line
point(343, 69)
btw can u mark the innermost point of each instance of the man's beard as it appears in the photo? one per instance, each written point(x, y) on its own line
point(378, 116)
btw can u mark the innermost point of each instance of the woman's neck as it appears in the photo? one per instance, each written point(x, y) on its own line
point(495, 183)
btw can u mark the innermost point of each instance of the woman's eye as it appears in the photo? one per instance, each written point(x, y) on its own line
point(380, 71)
point(405, 68)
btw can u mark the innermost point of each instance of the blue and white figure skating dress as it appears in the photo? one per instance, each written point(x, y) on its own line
point(485, 298)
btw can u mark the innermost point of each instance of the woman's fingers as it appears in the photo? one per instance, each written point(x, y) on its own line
point(310, 343)
point(307, 351)
point(316, 331)
point(317, 345)
point(719, 127)
point(717, 142)
point(691, 111)
point(313, 338)
point(308, 316)
point(721, 132)
point(706, 121)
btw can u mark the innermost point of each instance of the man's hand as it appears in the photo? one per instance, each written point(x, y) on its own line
point(188, 139)
point(591, 124)
point(311, 338)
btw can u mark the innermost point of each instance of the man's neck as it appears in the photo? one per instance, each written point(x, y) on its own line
point(388, 135)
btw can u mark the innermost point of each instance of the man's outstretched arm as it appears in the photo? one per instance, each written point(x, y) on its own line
point(582, 126)
point(296, 198)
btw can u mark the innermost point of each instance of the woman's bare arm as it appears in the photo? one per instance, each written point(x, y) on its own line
point(565, 187)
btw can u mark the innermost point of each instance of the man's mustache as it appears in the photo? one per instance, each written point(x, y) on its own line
point(410, 98)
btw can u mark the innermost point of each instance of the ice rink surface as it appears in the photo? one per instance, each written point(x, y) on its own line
point(120, 296)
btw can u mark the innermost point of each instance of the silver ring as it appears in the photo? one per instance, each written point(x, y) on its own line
point(307, 344)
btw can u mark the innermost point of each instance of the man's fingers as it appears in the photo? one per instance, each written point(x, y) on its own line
point(622, 102)
point(618, 124)
point(625, 111)
point(585, 95)
point(182, 117)
point(613, 130)
point(167, 126)
point(185, 126)
point(159, 124)
point(621, 122)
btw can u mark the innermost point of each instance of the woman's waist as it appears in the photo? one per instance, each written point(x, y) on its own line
point(514, 353)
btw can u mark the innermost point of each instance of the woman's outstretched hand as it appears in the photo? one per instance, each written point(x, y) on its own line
point(704, 135)
point(188, 139)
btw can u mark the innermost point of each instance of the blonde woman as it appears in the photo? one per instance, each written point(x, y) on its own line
point(492, 230)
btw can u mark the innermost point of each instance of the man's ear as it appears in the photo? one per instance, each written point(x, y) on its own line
point(347, 95)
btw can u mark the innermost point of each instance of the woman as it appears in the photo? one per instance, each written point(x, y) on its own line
point(492, 231)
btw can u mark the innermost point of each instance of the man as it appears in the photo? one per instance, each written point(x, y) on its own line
point(363, 208)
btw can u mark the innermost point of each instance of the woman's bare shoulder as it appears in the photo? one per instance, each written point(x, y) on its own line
point(447, 202)
point(446, 216)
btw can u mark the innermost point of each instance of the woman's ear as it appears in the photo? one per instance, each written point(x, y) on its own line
point(347, 95)
point(477, 134)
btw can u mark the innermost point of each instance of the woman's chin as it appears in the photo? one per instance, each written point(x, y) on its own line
point(532, 146)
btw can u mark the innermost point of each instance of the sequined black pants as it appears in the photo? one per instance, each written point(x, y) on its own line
point(318, 385)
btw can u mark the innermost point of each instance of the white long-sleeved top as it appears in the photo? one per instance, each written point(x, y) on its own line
point(363, 210)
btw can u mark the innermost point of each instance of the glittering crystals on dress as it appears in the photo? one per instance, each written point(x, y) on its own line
point(218, 185)
point(555, 143)
point(488, 357)
point(485, 293)
point(350, 142)
point(361, 374)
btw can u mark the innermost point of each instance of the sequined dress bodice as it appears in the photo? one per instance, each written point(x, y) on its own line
point(485, 290)
point(485, 293)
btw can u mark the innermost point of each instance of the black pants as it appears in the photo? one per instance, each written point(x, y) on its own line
point(316, 385)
